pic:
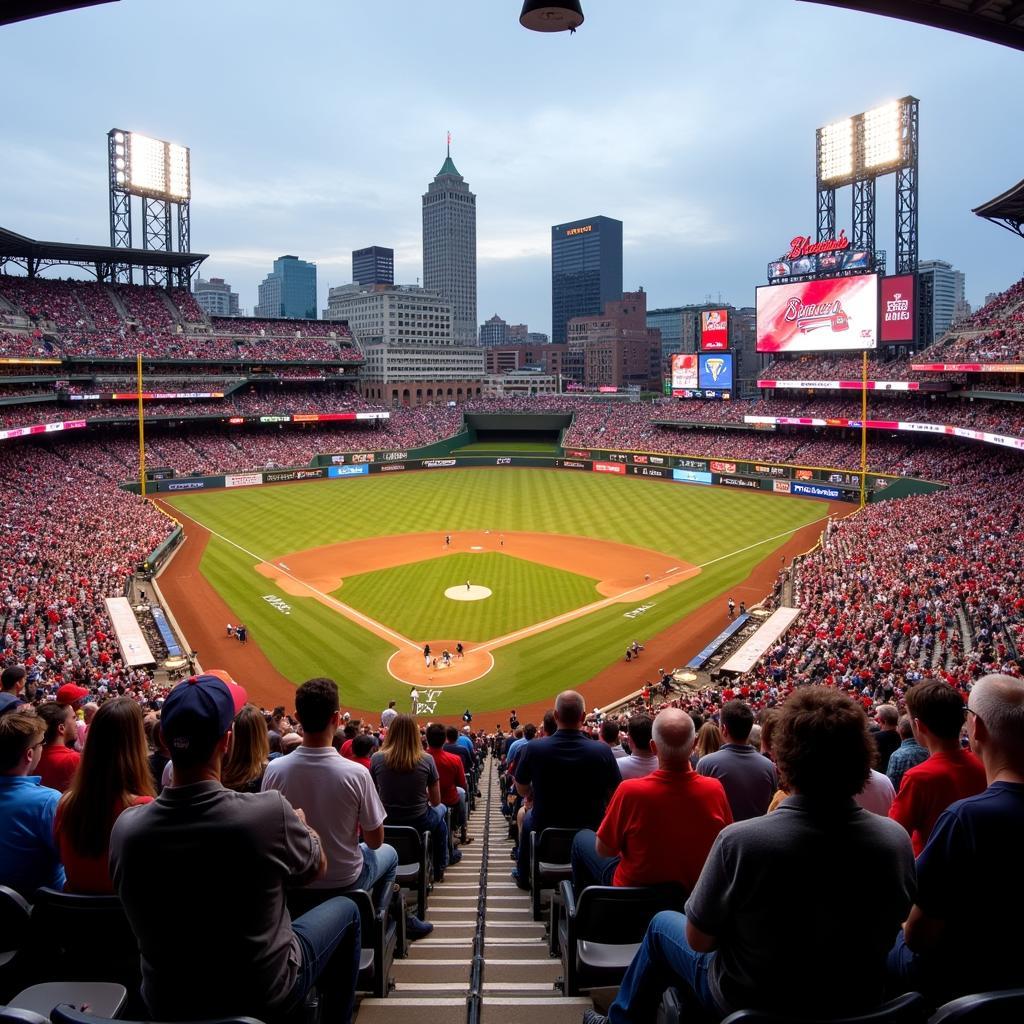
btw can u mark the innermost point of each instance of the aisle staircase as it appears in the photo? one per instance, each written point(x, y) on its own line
point(513, 979)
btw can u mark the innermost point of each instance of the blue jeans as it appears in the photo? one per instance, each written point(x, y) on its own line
point(380, 869)
point(330, 941)
point(663, 960)
point(434, 821)
point(523, 861)
point(588, 866)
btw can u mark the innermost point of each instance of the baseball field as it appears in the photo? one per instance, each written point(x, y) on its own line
point(544, 577)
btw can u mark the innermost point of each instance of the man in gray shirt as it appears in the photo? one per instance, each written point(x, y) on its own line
point(769, 884)
point(203, 871)
point(748, 776)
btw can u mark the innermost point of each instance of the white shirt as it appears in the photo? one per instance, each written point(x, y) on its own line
point(336, 795)
point(877, 795)
point(636, 766)
point(387, 715)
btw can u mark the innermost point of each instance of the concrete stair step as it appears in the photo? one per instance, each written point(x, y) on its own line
point(510, 972)
point(512, 949)
point(412, 1010)
point(533, 1009)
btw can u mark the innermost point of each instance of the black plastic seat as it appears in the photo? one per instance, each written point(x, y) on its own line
point(415, 861)
point(12, 1015)
point(600, 931)
point(982, 1008)
point(15, 913)
point(550, 853)
point(909, 1008)
point(378, 935)
point(66, 1014)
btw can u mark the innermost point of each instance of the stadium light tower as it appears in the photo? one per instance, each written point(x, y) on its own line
point(160, 174)
point(859, 150)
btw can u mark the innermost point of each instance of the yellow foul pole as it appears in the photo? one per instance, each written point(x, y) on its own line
point(142, 433)
point(864, 429)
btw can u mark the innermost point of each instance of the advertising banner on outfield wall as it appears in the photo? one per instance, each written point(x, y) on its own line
point(691, 476)
point(608, 467)
point(243, 479)
point(336, 472)
point(184, 485)
point(284, 476)
point(649, 471)
point(692, 464)
point(576, 453)
point(780, 486)
point(740, 481)
point(572, 464)
point(816, 491)
point(438, 463)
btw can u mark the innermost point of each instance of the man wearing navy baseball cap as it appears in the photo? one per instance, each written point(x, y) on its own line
point(218, 864)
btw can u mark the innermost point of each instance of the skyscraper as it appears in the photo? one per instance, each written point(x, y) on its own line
point(586, 270)
point(373, 265)
point(215, 297)
point(941, 289)
point(289, 290)
point(449, 247)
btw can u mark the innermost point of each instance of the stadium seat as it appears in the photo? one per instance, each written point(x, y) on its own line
point(549, 863)
point(378, 935)
point(104, 998)
point(12, 1015)
point(600, 931)
point(66, 1014)
point(909, 1008)
point(982, 1008)
point(63, 924)
point(14, 922)
point(415, 862)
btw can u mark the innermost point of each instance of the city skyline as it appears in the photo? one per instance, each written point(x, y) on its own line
point(702, 144)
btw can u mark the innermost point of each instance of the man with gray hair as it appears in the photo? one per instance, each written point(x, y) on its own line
point(569, 775)
point(909, 754)
point(658, 828)
point(886, 736)
point(963, 932)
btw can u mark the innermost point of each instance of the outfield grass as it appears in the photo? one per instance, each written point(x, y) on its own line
point(725, 532)
point(504, 447)
point(523, 593)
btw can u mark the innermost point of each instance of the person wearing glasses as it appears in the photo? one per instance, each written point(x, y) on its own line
point(29, 857)
point(963, 933)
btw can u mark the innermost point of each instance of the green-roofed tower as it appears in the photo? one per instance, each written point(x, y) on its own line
point(449, 247)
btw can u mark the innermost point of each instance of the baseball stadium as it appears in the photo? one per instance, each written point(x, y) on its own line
point(792, 531)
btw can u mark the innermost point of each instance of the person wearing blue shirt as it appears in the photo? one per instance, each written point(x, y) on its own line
point(29, 857)
point(963, 932)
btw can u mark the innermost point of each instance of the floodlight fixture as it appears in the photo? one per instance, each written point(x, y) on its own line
point(148, 167)
point(835, 160)
point(883, 138)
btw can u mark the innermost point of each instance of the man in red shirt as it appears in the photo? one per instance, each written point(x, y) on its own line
point(59, 761)
point(951, 773)
point(452, 777)
point(658, 828)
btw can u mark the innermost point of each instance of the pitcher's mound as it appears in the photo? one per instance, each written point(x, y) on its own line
point(472, 593)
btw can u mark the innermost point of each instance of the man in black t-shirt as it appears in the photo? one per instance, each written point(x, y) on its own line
point(569, 775)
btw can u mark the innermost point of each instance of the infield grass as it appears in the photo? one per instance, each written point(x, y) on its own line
point(725, 532)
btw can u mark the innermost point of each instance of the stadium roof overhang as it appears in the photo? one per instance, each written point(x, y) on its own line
point(34, 256)
point(1006, 210)
point(22, 10)
point(995, 21)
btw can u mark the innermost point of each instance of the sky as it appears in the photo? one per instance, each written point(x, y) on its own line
point(315, 127)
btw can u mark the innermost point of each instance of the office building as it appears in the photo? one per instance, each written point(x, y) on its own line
point(586, 270)
point(215, 297)
point(415, 375)
point(527, 357)
point(373, 265)
point(497, 332)
point(392, 314)
point(670, 322)
point(289, 290)
point(940, 291)
point(449, 248)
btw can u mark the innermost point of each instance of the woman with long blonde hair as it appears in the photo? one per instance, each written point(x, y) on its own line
point(410, 789)
point(112, 777)
point(249, 754)
point(709, 739)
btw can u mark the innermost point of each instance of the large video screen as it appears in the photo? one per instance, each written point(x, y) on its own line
point(715, 371)
point(714, 330)
point(684, 371)
point(898, 309)
point(830, 314)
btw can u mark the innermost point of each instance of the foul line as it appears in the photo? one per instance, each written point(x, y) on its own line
point(346, 610)
point(501, 641)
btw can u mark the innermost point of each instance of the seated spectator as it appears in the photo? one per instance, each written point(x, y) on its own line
point(568, 776)
point(452, 779)
point(907, 755)
point(59, 759)
point(114, 777)
point(29, 856)
point(203, 874)
point(363, 747)
point(453, 746)
point(748, 777)
point(963, 930)
point(610, 732)
point(642, 761)
point(886, 736)
point(249, 755)
point(762, 887)
point(658, 828)
point(409, 788)
point(338, 799)
point(12, 684)
point(950, 773)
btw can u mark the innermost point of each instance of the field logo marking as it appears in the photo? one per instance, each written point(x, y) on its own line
point(275, 602)
point(638, 611)
point(428, 706)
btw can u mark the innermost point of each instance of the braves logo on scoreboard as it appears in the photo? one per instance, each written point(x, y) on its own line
point(815, 316)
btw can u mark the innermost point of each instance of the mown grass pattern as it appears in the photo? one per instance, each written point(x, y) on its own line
point(695, 524)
